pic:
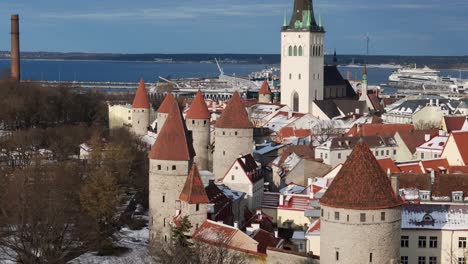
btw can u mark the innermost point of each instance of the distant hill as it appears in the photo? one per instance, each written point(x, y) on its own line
point(440, 62)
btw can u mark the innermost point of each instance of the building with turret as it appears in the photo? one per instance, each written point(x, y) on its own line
point(141, 111)
point(198, 121)
point(264, 95)
point(163, 111)
point(233, 136)
point(171, 159)
point(194, 200)
point(361, 213)
point(302, 58)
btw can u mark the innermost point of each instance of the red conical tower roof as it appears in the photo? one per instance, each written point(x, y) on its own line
point(234, 115)
point(198, 108)
point(194, 191)
point(361, 184)
point(172, 142)
point(167, 103)
point(141, 97)
point(265, 88)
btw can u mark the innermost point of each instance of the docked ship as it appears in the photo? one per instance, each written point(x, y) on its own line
point(426, 79)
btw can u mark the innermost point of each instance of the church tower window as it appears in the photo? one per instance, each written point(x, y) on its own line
point(295, 50)
point(290, 52)
point(295, 102)
point(300, 50)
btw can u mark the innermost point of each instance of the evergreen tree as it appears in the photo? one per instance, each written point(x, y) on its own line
point(178, 233)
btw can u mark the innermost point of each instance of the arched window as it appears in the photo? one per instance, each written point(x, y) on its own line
point(295, 50)
point(295, 102)
point(290, 76)
point(290, 52)
point(315, 51)
point(319, 51)
point(299, 76)
point(300, 50)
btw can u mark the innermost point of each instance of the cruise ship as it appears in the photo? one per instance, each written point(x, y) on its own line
point(426, 79)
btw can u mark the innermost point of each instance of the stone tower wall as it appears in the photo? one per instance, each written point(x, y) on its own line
point(165, 185)
point(140, 121)
point(201, 140)
point(264, 98)
point(355, 240)
point(229, 144)
point(196, 217)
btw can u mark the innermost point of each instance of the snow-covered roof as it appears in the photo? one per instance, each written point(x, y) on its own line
point(435, 217)
point(292, 189)
point(436, 143)
point(231, 194)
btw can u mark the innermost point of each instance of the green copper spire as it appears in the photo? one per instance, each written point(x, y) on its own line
point(364, 75)
point(320, 21)
point(285, 20)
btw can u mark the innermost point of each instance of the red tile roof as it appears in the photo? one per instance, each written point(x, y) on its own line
point(194, 191)
point(461, 140)
point(265, 88)
point(265, 239)
point(198, 108)
point(234, 115)
point(415, 181)
point(172, 142)
point(314, 227)
point(375, 103)
point(141, 97)
point(410, 167)
point(167, 103)
point(445, 184)
point(361, 184)
point(286, 132)
point(437, 165)
point(385, 130)
point(454, 122)
point(415, 138)
point(458, 169)
point(388, 163)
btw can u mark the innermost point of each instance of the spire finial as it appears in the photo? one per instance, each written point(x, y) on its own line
point(320, 21)
point(335, 59)
point(285, 20)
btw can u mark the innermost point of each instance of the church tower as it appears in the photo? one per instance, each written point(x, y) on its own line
point(198, 121)
point(170, 161)
point(140, 111)
point(361, 213)
point(302, 58)
point(233, 136)
point(163, 111)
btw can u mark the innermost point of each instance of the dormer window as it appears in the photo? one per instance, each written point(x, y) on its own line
point(457, 196)
point(425, 195)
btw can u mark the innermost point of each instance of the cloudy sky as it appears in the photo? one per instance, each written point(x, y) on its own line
point(396, 27)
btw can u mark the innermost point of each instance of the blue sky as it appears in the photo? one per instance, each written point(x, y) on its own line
point(397, 27)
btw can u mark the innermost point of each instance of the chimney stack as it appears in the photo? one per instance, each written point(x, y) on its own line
point(15, 49)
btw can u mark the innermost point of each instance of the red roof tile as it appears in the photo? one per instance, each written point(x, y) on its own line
point(167, 103)
point(314, 227)
point(265, 88)
point(454, 122)
point(410, 168)
point(194, 191)
point(141, 97)
point(265, 239)
point(172, 142)
point(361, 184)
point(445, 184)
point(388, 163)
point(286, 132)
point(385, 130)
point(437, 165)
point(375, 103)
point(458, 169)
point(416, 138)
point(198, 108)
point(415, 180)
point(234, 115)
point(461, 139)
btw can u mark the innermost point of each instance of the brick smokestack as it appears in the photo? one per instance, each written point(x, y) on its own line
point(15, 49)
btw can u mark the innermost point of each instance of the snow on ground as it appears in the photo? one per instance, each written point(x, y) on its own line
point(135, 240)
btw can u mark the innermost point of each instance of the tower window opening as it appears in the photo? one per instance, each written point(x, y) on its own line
point(337, 255)
point(295, 50)
point(290, 51)
point(363, 217)
point(299, 76)
point(290, 76)
point(300, 50)
point(173, 167)
point(197, 207)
